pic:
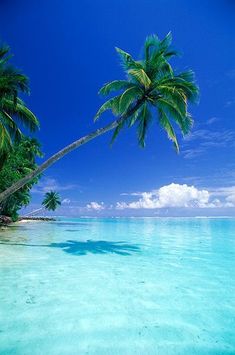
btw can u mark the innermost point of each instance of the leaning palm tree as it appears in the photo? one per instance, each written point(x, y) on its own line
point(13, 111)
point(151, 85)
point(50, 202)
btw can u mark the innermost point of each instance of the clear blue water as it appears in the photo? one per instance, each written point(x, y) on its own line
point(118, 286)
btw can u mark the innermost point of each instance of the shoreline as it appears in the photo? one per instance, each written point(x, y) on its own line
point(43, 219)
point(7, 221)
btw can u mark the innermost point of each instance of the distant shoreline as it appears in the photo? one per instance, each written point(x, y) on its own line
point(22, 219)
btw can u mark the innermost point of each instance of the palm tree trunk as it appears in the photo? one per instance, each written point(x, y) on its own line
point(61, 153)
point(33, 212)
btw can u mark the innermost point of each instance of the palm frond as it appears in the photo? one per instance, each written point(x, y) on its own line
point(11, 126)
point(187, 76)
point(166, 125)
point(144, 119)
point(127, 98)
point(114, 86)
point(141, 76)
point(157, 60)
point(4, 49)
point(174, 95)
point(151, 41)
point(5, 138)
point(21, 112)
point(111, 104)
point(117, 131)
point(127, 61)
point(13, 111)
point(188, 122)
point(171, 53)
point(158, 67)
point(13, 78)
point(166, 42)
point(134, 117)
point(51, 200)
point(164, 71)
point(185, 82)
point(173, 111)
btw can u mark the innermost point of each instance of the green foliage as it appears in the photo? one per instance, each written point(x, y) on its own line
point(13, 111)
point(151, 84)
point(140, 76)
point(127, 61)
point(127, 98)
point(18, 163)
point(51, 201)
point(144, 121)
point(114, 86)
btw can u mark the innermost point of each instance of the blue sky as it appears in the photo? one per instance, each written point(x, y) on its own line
point(67, 50)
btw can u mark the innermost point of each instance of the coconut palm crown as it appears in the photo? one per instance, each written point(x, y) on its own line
point(13, 111)
point(51, 201)
point(151, 84)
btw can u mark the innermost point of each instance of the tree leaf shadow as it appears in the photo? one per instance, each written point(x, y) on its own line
point(84, 247)
point(96, 247)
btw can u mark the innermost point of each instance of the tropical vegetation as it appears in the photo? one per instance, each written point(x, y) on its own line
point(152, 90)
point(20, 161)
point(50, 202)
point(17, 153)
point(13, 111)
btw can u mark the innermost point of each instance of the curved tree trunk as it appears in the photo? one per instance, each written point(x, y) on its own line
point(60, 154)
point(33, 212)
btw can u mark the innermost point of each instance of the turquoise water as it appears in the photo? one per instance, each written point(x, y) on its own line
point(118, 286)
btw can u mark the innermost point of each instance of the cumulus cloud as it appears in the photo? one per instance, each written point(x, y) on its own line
point(95, 206)
point(176, 195)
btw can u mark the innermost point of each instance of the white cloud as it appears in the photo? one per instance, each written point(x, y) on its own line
point(47, 184)
point(229, 194)
point(66, 201)
point(229, 103)
point(206, 139)
point(223, 191)
point(178, 196)
point(192, 153)
point(95, 206)
point(211, 120)
point(206, 135)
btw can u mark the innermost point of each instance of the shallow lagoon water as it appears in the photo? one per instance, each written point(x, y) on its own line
point(118, 286)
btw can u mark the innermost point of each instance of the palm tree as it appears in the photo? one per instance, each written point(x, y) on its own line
point(151, 84)
point(13, 111)
point(50, 202)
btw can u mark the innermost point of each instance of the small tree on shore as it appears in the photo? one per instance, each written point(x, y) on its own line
point(50, 202)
